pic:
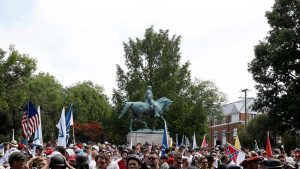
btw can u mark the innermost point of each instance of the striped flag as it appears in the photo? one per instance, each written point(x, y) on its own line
point(30, 120)
point(38, 135)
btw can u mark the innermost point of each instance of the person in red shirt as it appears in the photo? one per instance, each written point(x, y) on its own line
point(121, 163)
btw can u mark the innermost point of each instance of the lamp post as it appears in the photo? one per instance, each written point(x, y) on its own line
point(245, 91)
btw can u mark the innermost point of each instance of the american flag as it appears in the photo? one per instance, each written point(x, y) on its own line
point(30, 121)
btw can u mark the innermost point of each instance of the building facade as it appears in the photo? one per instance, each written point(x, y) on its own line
point(234, 117)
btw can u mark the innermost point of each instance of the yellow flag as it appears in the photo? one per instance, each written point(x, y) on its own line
point(171, 142)
point(237, 143)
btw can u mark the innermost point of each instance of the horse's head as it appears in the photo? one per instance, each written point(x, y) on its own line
point(164, 103)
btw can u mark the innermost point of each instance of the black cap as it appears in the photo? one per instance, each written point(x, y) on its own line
point(58, 161)
point(82, 159)
point(39, 147)
point(274, 164)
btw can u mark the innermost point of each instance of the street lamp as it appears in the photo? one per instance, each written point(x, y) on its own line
point(245, 91)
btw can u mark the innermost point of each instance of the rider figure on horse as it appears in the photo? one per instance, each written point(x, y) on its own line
point(150, 101)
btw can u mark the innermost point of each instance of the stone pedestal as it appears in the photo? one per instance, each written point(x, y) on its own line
point(142, 136)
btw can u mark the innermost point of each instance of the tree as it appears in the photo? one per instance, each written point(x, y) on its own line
point(45, 91)
point(155, 61)
point(276, 67)
point(256, 129)
point(15, 70)
point(90, 105)
point(90, 131)
point(206, 98)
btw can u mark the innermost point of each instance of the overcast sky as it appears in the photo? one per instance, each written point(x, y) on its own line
point(82, 40)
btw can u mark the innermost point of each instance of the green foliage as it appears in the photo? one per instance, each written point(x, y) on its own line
point(18, 85)
point(155, 60)
point(256, 129)
point(45, 91)
point(15, 70)
point(89, 102)
point(290, 140)
point(276, 67)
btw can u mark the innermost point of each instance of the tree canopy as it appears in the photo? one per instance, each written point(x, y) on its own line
point(15, 70)
point(19, 84)
point(155, 60)
point(276, 67)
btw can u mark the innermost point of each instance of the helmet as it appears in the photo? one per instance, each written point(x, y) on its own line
point(57, 161)
point(82, 159)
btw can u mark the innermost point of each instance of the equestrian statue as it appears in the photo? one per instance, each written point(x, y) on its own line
point(148, 107)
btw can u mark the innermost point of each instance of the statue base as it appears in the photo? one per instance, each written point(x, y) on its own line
point(146, 135)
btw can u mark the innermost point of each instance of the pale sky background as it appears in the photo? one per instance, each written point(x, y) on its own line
point(77, 40)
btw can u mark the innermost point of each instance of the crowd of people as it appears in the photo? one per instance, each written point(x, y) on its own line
point(140, 156)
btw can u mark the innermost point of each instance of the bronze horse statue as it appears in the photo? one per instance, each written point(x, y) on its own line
point(140, 108)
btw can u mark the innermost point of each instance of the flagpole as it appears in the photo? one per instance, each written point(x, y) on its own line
point(13, 136)
point(73, 135)
point(27, 140)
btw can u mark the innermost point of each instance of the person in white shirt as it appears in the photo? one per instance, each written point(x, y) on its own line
point(92, 164)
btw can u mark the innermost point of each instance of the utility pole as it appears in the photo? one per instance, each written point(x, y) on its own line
point(245, 91)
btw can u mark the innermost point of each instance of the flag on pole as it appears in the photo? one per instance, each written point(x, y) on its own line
point(130, 146)
point(194, 141)
point(268, 147)
point(38, 135)
point(204, 144)
point(69, 122)
point(237, 143)
point(182, 140)
point(164, 141)
point(13, 136)
point(30, 120)
point(61, 125)
point(255, 146)
point(237, 156)
point(176, 140)
point(171, 142)
point(187, 141)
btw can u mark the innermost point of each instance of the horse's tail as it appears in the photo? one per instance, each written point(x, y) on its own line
point(125, 109)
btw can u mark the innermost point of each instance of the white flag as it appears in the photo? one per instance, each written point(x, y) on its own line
point(61, 125)
point(130, 146)
point(194, 142)
point(38, 135)
point(240, 157)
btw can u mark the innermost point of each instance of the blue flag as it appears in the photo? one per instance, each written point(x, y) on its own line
point(164, 141)
point(69, 122)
